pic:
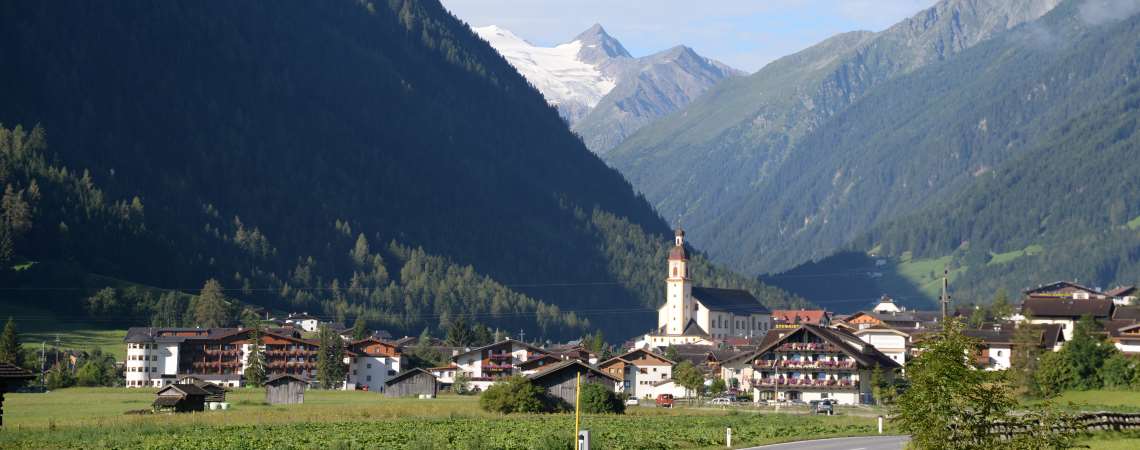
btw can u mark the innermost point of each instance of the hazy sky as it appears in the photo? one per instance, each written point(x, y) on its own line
point(743, 33)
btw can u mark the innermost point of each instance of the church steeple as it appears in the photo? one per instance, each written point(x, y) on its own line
point(678, 308)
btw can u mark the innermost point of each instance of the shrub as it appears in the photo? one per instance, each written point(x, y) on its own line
point(514, 395)
point(596, 399)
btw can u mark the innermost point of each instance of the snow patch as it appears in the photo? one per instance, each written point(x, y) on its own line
point(555, 71)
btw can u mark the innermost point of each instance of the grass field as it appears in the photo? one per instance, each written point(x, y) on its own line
point(94, 418)
point(1099, 400)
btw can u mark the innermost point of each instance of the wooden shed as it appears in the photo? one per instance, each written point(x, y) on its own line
point(411, 382)
point(285, 389)
point(217, 393)
point(11, 376)
point(559, 379)
point(180, 398)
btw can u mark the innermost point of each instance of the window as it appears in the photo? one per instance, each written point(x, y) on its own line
point(368, 378)
point(642, 370)
point(369, 365)
point(999, 352)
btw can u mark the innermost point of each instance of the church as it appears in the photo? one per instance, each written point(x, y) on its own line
point(701, 315)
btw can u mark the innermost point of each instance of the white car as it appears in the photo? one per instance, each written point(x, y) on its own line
point(632, 402)
point(721, 401)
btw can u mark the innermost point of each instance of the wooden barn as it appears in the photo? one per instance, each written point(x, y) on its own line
point(411, 382)
point(11, 376)
point(559, 379)
point(180, 398)
point(217, 393)
point(285, 389)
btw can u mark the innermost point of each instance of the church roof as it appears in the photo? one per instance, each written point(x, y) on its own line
point(678, 252)
point(736, 301)
point(691, 329)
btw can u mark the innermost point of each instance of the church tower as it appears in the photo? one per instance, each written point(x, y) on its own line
point(678, 309)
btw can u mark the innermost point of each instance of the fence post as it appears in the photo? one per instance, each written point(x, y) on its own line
point(880, 424)
point(583, 439)
point(728, 437)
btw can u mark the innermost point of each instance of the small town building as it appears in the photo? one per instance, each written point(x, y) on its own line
point(810, 363)
point(539, 363)
point(484, 365)
point(638, 371)
point(285, 389)
point(217, 394)
point(790, 318)
point(304, 321)
point(1123, 295)
point(559, 380)
point(11, 377)
point(1065, 290)
point(445, 375)
point(887, 305)
point(411, 383)
point(375, 362)
point(1065, 312)
point(892, 342)
point(180, 398)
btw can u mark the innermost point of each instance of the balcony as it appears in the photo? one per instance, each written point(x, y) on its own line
point(501, 357)
point(821, 347)
point(804, 383)
point(497, 367)
point(804, 365)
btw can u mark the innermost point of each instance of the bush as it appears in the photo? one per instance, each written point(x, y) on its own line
point(596, 399)
point(1118, 371)
point(514, 395)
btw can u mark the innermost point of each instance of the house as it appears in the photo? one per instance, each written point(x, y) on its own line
point(217, 394)
point(374, 363)
point(1065, 290)
point(180, 398)
point(11, 376)
point(414, 382)
point(810, 363)
point(304, 320)
point(285, 389)
point(638, 370)
point(897, 320)
point(559, 380)
point(887, 305)
point(486, 364)
point(892, 342)
point(574, 352)
point(789, 318)
point(445, 375)
point(693, 314)
point(1065, 312)
point(158, 357)
point(1123, 295)
point(540, 362)
point(996, 343)
point(669, 387)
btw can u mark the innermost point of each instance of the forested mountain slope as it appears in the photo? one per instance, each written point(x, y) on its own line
point(348, 157)
point(716, 162)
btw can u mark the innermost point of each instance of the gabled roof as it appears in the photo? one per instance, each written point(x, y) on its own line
point(798, 316)
point(848, 343)
point(405, 374)
point(285, 377)
point(534, 362)
point(1121, 291)
point(691, 329)
point(629, 356)
point(1126, 313)
point(1048, 307)
point(9, 371)
point(184, 389)
point(1058, 285)
point(736, 301)
point(504, 341)
point(880, 328)
point(571, 364)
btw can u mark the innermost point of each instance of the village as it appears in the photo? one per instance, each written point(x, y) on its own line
point(743, 352)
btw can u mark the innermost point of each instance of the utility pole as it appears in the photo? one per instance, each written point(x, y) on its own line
point(522, 335)
point(945, 300)
point(43, 361)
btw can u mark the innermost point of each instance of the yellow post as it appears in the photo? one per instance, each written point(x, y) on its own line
point(577, 408)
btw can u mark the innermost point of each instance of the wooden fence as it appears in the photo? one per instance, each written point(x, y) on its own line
point(1080, 423)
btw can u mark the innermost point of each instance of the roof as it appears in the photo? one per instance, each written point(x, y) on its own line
point(1058, 285)
point(864, 354)
point(185, 389)
point(736, 301)
point(167, 401)
point(526, 365)
point(1121, 291)
point(691, 329)
point(507, 340)
point(405, 374)
point(9, 371)
point(567, 365)
point(1051, 335)
point(285, 377)
point(1048, 307)
point(626, 357)
point(798, 316)
point(205, 385)
point(1126, 313)
point(678, 252)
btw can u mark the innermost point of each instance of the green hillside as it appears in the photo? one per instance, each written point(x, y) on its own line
point(346, 158)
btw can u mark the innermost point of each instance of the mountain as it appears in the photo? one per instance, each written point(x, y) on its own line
point(603, 92)
point(724, 163)
point(347, 158)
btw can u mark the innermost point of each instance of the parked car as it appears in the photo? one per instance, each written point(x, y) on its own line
point(632, 401)
point(664, 400)
point(826, 406)
point(724, 401)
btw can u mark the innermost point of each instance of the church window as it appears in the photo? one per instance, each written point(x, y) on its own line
point(674, 270)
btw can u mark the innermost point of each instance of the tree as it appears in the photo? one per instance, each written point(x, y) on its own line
point(596, 399)
point(330, 359)
point(103, 303)
point(481, 335)
point(1001, 308)
point(359, 328)
point(516, 394)
point(977, 317)
point(360, 250)
point(687, 376)
point(671, 353)
point(97, 369)
point(1053, 375)
point(1118, 371)
point(1085, 353)
point(210, 306)
point(249, 319)
point(461, 384)
point(1024, 362)
point(11, 351)
point(255, 364)
point(950, 404)
point(458, 333)
point(718, 386)
point(59, 377)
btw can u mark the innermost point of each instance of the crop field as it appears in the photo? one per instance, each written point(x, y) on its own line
point(94, 418)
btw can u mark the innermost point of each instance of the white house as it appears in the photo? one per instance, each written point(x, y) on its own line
point(486, 364)
point(304, 320)
point(891, 342)
point(375, 361)
point(639, 371)
point(1065, 312)
point(886, 305)
point(693, 314)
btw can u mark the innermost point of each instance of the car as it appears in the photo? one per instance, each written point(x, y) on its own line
point(825, 406)
point(724, 401)
point(664, 400)
point(632, 401)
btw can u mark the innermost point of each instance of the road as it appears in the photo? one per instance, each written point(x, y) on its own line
point(854, 443)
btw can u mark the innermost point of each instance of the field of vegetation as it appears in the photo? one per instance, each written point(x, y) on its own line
point(94, 418)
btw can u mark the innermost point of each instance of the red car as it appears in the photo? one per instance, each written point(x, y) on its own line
point(665, 400)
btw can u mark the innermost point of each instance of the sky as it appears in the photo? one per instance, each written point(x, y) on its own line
point(745, 34)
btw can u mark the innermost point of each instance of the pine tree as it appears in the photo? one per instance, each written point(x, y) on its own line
point(10, 349)
point(359, 328)
point(210, 306)
point(458, 334)
point(482, 335)
point(255, 364)
point(1024, 359)
point(1001, 307)
point(330, 365)
point(360, 250)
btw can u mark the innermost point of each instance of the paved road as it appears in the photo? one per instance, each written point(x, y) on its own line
point(855, 443)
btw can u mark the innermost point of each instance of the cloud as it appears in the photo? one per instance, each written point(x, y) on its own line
point(1097, 12)
point(743, 33)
